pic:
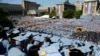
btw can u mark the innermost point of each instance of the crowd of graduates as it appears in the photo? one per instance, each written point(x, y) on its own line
point(88, 36)
point(11, 46)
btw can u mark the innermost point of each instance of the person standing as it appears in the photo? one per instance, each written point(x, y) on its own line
point(4, 41)
point(16, 51)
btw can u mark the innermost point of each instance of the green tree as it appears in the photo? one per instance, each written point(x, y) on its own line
point(4, 21)
point(43, 13)
point(72, 13)
point(53, 12)
point(68, 13)
point(77, 14)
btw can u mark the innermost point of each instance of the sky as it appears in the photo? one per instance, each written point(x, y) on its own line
point(42, 2)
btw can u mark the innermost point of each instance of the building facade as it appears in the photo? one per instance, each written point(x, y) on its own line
point(59, 10)
point(50, 9)
point(12, 9)
point(27, 8)
point(68, 5)
point(78, 5)
point(63, 6)
point(30, 7)
point(91, 7)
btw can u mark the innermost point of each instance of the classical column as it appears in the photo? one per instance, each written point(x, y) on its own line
point(89, 8)
point(59, 10)
point(23, 7)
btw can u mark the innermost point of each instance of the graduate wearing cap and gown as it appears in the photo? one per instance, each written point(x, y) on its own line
point(75, 52)
point(46, 42)
point(33, 51)
point(27, 44)
point(65, 51)
point(16, 51)
point(4, 42)
point(11, 43)
point(71, 51)
point(13, 34)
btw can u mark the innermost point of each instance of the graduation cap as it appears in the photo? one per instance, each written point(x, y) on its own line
point(28, 34)
point(66, 41)
point(22, 34)
point(6, 28)
point(15, 31)
point(50, 49)
point(55, 39)
point(44, 35)
point(35, 33)
point(56, 45)
point(49, 36)
point(39, 38)
point(19, 38)
point(83, 49)
point(24, 37)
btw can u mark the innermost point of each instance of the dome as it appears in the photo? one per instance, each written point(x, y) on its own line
point(90, 0)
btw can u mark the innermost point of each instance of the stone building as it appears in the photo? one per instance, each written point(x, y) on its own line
point(27, 8)
point(30, 7)
point(50, 9)
point(59, 10)
point(78, 5)
point(64, 6)
point(68, 5)
point(91, 7)
point(12, 9)
point(43, 9)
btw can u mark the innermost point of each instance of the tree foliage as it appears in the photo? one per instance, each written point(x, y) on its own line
point(4, 21)
point(43, 13)
point(68, 13)
point(53, 12)
point(77, 14)
point(72, 14)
